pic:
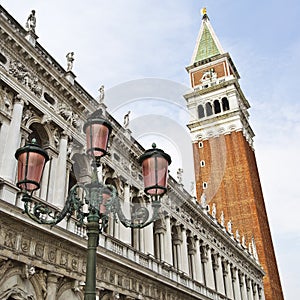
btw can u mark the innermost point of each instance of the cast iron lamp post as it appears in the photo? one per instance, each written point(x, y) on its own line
point(100, 199)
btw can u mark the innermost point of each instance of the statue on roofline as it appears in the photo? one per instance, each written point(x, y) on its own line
point(31, 22)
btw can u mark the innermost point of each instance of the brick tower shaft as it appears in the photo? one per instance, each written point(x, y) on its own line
point(224, 159)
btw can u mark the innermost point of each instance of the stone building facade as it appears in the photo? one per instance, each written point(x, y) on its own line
point(187, 254)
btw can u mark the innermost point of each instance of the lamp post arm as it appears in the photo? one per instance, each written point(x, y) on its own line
point(43, 214)
point(140, 217)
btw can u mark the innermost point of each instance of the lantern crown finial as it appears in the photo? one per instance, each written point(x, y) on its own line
point(153, 145)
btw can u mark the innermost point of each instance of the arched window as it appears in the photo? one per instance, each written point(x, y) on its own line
point(217, 107)
point(225, 104)
point(208, 109)
point(39, 133)
point(201, 111)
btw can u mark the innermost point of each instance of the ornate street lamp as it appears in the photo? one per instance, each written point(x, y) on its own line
point(100, 199)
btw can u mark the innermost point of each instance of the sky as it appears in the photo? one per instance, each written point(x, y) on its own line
point(128, 43)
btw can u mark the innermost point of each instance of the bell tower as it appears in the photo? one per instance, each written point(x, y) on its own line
point(224, 159)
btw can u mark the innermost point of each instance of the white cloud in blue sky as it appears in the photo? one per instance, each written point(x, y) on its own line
point(124, 40)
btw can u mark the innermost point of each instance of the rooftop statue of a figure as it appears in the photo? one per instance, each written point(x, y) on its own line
point(101, 94)
point(70, 60)
point(31, 22)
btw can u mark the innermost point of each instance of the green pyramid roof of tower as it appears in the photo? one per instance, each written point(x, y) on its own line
point(207, 46)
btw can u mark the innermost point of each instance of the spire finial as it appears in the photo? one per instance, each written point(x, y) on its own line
point(204, 13)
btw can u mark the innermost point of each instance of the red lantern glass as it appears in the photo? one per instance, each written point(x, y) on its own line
point(31, 162)
point(155, 164)
point(97, 132)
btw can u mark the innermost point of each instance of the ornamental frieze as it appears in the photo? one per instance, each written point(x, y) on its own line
point(6, 100)
point(63, 259)
point(74, 263)
point(66, 112)
point(24, 76)
point(25, 245)
point(10, 239)
point(39, 250)
point(51, 255)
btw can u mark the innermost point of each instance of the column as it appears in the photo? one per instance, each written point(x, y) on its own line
point(250, 290)
point(168, 257)
point(236, 284)
point(243, 287)
point(149, 239)
point(141, 244)
point(12, 141)
point(60, 172)
point(208, 268)
point(52, 280)
point(162, 246)
point(125, 233)
point(4, 127)
point(228, 280)
point(261, 294)
point(177, 253)
point(256, 292)
point(191, 262)
point(198, 265)
point(219, 274)
point(184, 252)
point(158, 251)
